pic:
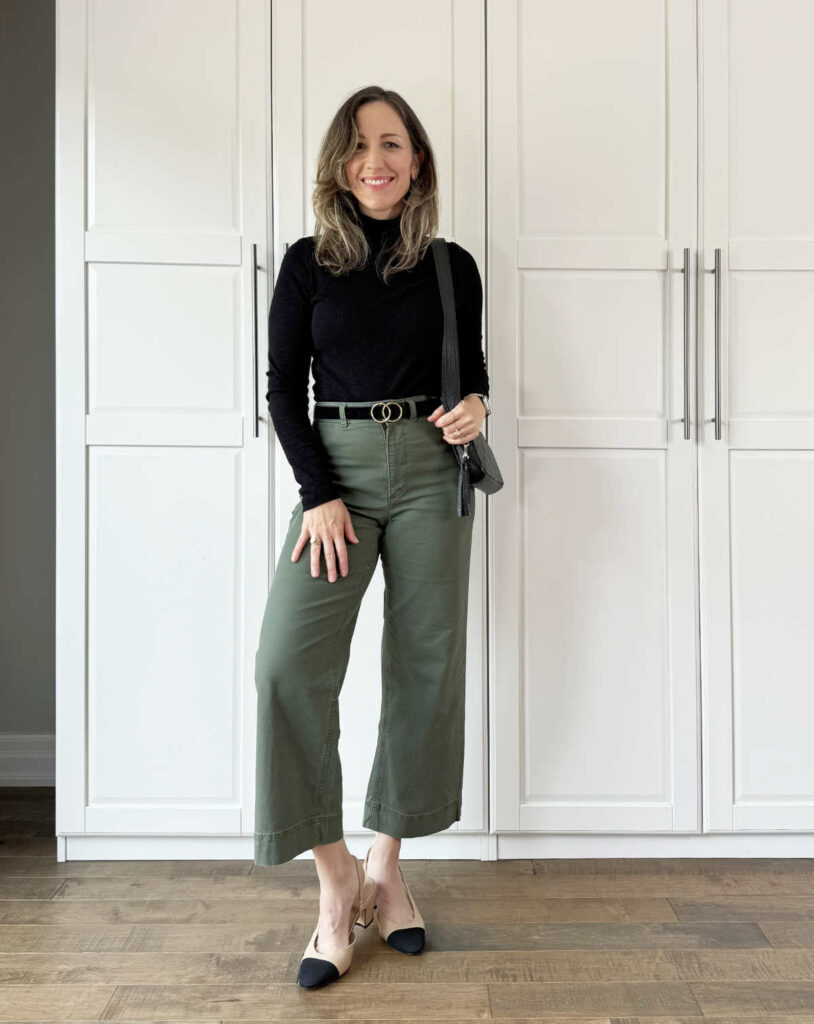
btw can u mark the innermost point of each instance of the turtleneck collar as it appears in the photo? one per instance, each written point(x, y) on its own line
point(374, 227)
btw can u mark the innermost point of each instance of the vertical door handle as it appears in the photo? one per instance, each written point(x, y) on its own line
point(686, 344)
point(255, 412)
point(717, 272)
point(716, 419)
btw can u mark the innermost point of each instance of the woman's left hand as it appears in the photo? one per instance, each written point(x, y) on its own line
point(463, 421)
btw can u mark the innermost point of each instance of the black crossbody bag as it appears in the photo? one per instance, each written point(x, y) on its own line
point(477, 465)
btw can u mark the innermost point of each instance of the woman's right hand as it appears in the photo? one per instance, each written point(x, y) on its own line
point(331, 523)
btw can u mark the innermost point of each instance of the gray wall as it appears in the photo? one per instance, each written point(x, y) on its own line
point(27, 366)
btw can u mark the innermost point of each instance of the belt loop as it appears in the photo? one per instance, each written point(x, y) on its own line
point(413, 414)
point(343, 416)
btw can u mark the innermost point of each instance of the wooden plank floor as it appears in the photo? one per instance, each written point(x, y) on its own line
point(592, 941)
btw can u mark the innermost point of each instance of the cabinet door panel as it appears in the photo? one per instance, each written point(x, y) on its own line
point(757, 478)
point(161, 171)
point(592, 202)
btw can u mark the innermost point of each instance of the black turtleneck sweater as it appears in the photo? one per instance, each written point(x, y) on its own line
point(368, 340)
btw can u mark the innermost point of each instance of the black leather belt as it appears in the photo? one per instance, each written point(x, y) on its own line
point(382, 412)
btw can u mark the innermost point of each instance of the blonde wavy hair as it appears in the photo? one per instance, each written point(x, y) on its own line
point(340, 243)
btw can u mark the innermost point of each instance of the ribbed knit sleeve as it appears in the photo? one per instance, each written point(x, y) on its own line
point(290, 351)
point(469, 308)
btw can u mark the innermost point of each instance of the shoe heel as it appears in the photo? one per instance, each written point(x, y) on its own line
point(365, 917)
point(366, 904)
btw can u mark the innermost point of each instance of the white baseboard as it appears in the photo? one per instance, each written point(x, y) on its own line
point(451, 846)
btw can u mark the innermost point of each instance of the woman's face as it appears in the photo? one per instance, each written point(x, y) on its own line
point(383, 152)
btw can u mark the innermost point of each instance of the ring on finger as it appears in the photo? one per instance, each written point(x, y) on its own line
point(315, 540)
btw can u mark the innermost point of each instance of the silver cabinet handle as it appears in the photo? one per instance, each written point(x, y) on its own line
point(717, 272)
point(254, 339)
point(686, 344)
point(716, 419)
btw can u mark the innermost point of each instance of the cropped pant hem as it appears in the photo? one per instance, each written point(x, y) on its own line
point(394, 823)
point(278, 847)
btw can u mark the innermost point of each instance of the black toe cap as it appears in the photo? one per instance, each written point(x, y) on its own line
point(407, 940)
point(315, 972)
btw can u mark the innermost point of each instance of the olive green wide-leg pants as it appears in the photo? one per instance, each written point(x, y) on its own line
point(398, 480)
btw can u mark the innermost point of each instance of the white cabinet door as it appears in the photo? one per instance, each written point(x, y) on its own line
point(757, 469)
point(162, 463)
point(433, 55)
point(592, 201)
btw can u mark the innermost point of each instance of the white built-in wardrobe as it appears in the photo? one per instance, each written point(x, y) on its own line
point(634, 180)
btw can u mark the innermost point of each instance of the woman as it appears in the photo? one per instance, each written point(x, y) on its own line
point(376, 469)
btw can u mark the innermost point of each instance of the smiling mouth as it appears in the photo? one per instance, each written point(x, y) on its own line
point(376, 182)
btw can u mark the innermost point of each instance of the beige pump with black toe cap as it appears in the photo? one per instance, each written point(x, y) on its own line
point(405, 936)
point(320, 968)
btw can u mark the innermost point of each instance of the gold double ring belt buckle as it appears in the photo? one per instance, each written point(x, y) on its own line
point(387, 414)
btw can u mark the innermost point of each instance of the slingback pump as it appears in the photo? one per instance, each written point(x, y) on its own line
point(318, 968)
point(406, 937)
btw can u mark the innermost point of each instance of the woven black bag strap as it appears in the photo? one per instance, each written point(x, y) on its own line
point(450, 365)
